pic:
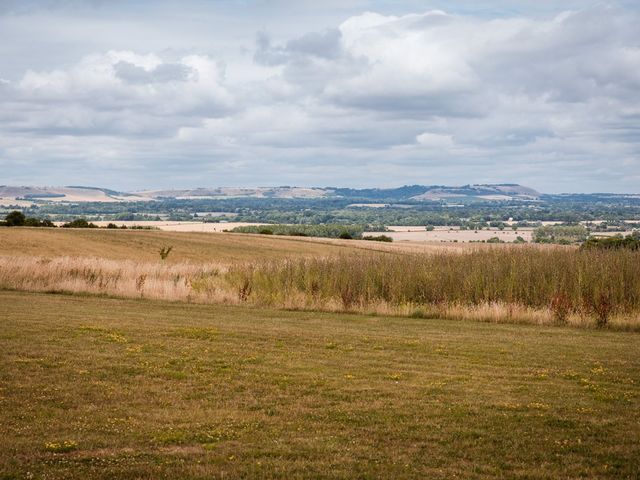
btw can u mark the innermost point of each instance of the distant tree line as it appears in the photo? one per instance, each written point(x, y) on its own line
point(19, 219)
point(562, 234)
point(329, 230)
point(631, 242)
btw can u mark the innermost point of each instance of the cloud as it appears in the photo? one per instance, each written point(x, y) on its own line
point(168, 72)
point(375, 98)
point(435, 140)
point(119, 93)
point(322, 45)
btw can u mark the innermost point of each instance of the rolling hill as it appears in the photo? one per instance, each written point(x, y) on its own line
point(433, 193)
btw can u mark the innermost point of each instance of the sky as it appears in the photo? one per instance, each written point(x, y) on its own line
point(141, 94)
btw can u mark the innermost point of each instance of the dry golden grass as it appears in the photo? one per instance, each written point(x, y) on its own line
point(477, 286)
point(144, 245)
point(123, 278)
point(495, 283)
point(525, 284)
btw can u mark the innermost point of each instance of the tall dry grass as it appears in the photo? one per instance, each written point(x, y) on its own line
point(528, 284)
point(123, 278)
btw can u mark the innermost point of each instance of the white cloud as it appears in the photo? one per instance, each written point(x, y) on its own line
point(435, 140)
point(120, 92)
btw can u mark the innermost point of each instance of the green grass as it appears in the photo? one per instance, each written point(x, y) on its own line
point(108, 388)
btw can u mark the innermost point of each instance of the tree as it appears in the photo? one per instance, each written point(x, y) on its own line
point(15, 219)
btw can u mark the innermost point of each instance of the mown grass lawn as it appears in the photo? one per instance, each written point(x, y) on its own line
point(142, 389)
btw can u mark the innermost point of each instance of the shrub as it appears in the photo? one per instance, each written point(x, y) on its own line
point(379, 238)
point(34, 222)
point(164, 252)
point(79, 223)
point(15, 219)
point(631, 242)
point(31, 222)
point(602, 306)
point(560, 307)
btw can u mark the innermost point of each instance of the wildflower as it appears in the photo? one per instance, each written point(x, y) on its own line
point(61, 447)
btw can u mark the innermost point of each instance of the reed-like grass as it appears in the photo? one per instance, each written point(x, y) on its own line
point(524, 284)
point(527, 284)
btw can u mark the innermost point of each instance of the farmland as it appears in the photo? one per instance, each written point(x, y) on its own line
point(144, 245)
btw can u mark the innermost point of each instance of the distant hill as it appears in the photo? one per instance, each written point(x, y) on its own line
point(74, 194)
point(484, 192)
point(433, 193)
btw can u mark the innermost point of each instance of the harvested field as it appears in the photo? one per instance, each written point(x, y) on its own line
point(454, 234)
point(143, 245)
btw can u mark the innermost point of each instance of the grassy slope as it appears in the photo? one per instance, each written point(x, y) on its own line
point(161, 390)
point(144, 245)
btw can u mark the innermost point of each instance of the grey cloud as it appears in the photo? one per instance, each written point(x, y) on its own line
point(27, 6)
point(578, 56)
point(416, 105)
point(166, 72)
point(266, 53)
point(322, 45)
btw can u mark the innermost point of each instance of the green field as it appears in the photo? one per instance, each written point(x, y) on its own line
point(147, 389)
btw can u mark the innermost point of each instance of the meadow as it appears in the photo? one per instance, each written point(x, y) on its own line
point(253, 356)
point(497, 283)
point(96, 387)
